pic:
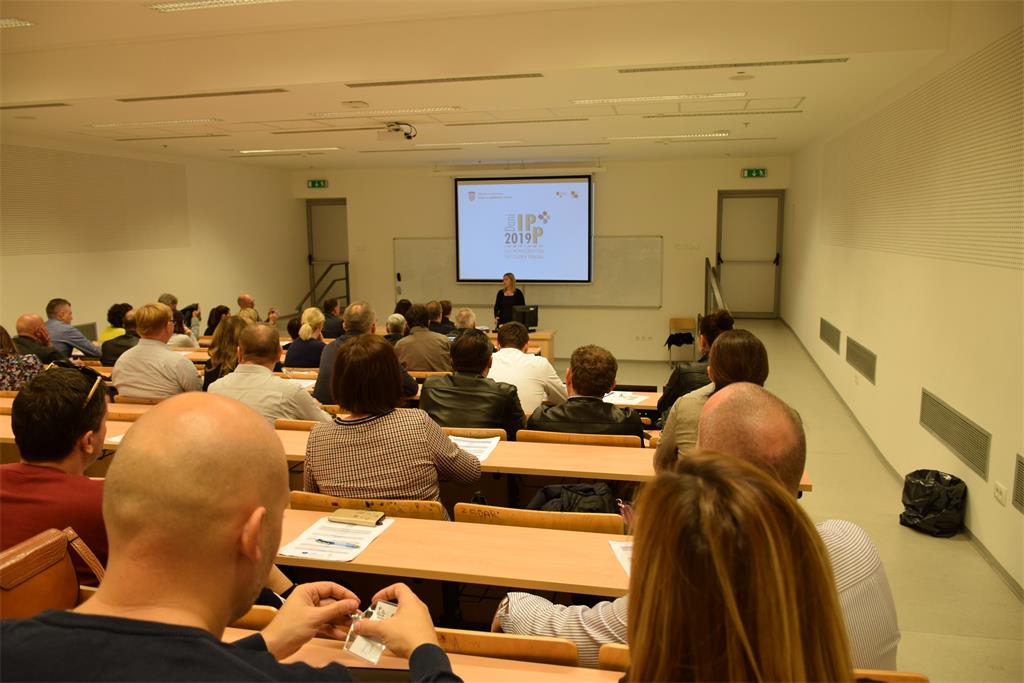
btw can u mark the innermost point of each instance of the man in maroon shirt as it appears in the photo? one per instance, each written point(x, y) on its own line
point(59, 421)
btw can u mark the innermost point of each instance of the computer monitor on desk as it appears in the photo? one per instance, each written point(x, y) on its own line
point(526, 315)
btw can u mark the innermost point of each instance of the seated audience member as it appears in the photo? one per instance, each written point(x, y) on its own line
point(249, 315)
point(59, 423)
point(33, 337)
point(396, 327)
point(305, 352)
point(168, 300)
point(736, 356)
point(435, 318)
point(469, 398)
point(375, 449)
point(749, 422)
point(247, 303)
point(590, 376)
point(193, 319)
point(112, 349)
point(534, 376)
point(446, 312)
point(465, 319)
point(253, 381)
point(150, 369)
point(186, 560)
point(16, 369)
point(423, 350)
point(63, 336)
point(730, 581)
point(115, 318)
point(332, 319)
point(182, 337)
point(292, 326)
point(217, 313)
point(223, 350)
point(401, 306)
point(689, 376)
point(358, 319)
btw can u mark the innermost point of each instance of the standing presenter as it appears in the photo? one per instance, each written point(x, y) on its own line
point(508, 296)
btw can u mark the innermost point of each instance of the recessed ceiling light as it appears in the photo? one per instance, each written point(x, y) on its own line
point(464, 144)
point(300, 149)
point(14, 23)
point(137, 124)
point(187, 5)
point(385, 112)
point(663, 98)
point(683, 136)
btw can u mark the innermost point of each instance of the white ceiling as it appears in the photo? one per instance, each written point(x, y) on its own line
point(89, 54)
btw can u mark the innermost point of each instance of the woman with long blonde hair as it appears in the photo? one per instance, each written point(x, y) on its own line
point(223, 349)
point(305, 351)
point(730, 581)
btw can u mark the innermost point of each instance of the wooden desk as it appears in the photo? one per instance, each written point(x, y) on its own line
point(543, 340)
point(650, 401)
point(322, 651)
point(508, 556)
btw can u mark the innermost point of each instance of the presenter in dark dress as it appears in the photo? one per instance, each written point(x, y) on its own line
point(508, 296)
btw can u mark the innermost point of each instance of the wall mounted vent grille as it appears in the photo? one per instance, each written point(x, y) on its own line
point(735, 65)
point(453, 79)
point(34, 106)
point(1018, 483)
point(830, 334)
point(965, 438)
point(197, 95)
point(861, 358)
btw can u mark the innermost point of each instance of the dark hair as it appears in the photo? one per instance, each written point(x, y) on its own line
point(593, 370)
point(7, 347)
point(179, 322)
point(261, 342)
point(293, 326)
point(416, 316)
point(513, 334)
point(216, 313)
point(402, 306)
point(367, 376)
point(329, 306)
point(471, 352)
point(51, 413)
point(715, 323)
point(115, 314)
point(738, 356)
point(446, 307)
point(53, 304)
point(433, 311)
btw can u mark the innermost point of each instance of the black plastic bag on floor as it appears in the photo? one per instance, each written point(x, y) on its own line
point(595, 497)
point(934, 502)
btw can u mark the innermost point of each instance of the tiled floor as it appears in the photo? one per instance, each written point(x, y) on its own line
point(960, 621)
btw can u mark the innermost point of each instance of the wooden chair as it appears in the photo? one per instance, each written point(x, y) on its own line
point(117, 416)
point(39, 574)
point(8, 394)
point(320, 502)
point(539, 649)
point(91, 362)
point(539, 519)
point(297, 425)
point(613, 657)
point(256, 619)
point(584, 439)
point(475, 432)
point(139, 400)
point(889, 676)
point(655, 440)
point(420, 375)
point(332, 408)
point(636, 387)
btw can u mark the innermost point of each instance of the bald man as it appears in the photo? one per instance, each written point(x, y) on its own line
point(186, 560)
point(34, 338)
point(246, 301)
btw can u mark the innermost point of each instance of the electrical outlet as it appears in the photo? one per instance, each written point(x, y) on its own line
point(999, 493)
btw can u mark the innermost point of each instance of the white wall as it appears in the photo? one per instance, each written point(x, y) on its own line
point(675, 199)
point(242, 231)
point(905, 232)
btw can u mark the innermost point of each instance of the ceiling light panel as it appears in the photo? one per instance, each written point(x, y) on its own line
point(190, 5)
point(381, 112)
point(288, 151)
point(681, 136)
point(463, 144)
point(140, 124)
point(646, 108)
point(14, 23)
point(664, 98)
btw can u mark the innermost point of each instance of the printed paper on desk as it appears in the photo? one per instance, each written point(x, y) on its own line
point(481, 448)
point(335, 542)
point(623, 553)
point(623, 397)
point(115, 439)
point(304, 383)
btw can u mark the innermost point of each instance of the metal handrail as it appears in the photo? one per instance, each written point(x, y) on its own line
point(311, 294)
point(712, 294)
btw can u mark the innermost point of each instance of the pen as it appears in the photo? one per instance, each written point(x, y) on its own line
point(343, 544)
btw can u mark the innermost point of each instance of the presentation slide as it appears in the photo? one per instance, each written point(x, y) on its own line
point(537, 228)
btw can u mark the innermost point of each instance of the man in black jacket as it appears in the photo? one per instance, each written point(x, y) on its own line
point(112, 349)
point(34, 338)
point(468, 398)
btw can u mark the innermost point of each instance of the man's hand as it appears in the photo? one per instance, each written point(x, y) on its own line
point(408, 629)
point(312, 608)
point(272, 315)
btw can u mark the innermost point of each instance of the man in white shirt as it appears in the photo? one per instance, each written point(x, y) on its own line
point(254, 383)
point(151, 369)
point(749, 422)
point(534, 376)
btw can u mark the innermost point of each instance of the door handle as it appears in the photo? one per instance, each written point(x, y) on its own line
point(776, 261)
point(718, 258)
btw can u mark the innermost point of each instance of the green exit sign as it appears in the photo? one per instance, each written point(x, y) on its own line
point(754, 173)
point(314, 184)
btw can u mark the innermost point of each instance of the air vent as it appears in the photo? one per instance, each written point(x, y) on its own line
point(34, 106)
point(511, 123)
point(967, 440)
point(453, 79)
point(830, 334)
point(736, 65)
point(722, 113)
point(1018, 483)
point(189, 96)
point(861, 358)
point(325, 130)
point(175, 137)
point(556, 144)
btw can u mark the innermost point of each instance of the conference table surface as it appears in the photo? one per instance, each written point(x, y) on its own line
point(507, 556)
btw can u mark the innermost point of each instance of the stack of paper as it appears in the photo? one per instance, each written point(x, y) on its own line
point(623, 553)
point(327, 540)
point(623, 397)
point(481, 448)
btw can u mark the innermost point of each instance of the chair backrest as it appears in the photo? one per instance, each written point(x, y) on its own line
point(635, 387)
point(613, 657)
point(38, 574)
point(539, 649)
point(539, 519)
point(137, 399)
point(297, 425)
point(889, 676)
point(256, 619)
point(655, 440)
point(582, 439)
point(682, 324)
point(319, 502)
point(8, 394)
point(476, 432)
point(115, 415)
point(332, 408)
point(420, 375)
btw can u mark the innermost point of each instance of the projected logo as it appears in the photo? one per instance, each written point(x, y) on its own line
point(524, 230)
point(472, 196)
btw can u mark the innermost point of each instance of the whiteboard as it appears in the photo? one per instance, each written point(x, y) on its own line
point(627, 274)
